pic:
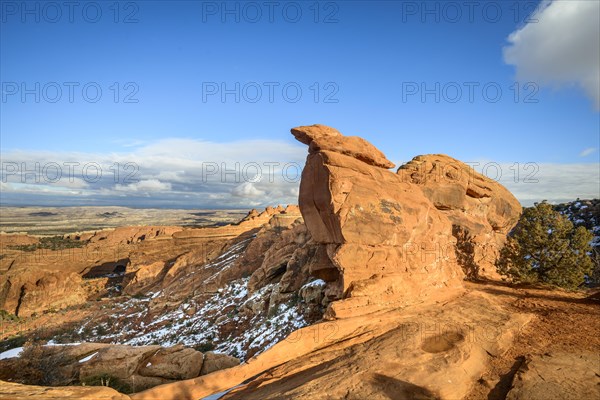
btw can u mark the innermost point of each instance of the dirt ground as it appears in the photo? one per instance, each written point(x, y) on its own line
point(564, 322)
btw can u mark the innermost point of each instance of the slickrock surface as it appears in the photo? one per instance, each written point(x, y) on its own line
point(558, 376)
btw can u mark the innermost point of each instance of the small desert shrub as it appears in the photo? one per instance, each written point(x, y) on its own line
point(545, 247)
point(108, 380)
point(6, 316)
point(205, 347)
point(51, 243)
point(41, 365)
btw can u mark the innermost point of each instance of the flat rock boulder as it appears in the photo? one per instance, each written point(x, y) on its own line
point(216, 361)
point(119, 361)
point(392, 239)
point(175, 362)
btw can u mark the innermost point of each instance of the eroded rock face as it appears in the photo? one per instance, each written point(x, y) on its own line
point(481, 210)
point(390, 239)
point(33, 292)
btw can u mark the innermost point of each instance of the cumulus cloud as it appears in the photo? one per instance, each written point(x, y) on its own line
point(247, 190)
point(560, 46)
point(147, 185)
point(556, 183)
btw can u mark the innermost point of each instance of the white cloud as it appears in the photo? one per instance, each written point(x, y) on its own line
point(168, 172)
point(560, 46)
point(147, 185)
point(187, 173)
point(556, 183)
point(247, 190)
point(587, 152)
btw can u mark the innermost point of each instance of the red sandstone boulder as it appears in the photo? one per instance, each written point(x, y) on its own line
point(388, 240)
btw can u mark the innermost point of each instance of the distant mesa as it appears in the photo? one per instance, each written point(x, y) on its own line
point(42, 214)
point(110, 214)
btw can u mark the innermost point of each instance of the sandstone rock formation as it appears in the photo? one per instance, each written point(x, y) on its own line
point(15, 391)
point(149, 258)
point(385, 239)
point(481, 210)
point(137, 367)
point(216, 362)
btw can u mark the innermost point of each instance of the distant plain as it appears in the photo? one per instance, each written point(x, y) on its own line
point(61, 220)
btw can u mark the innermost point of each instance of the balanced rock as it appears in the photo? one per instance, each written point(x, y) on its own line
point(385, 240)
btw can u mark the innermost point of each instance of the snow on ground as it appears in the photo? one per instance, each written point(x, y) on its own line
point(231, 321)
point(315, 283)
point(88, 358)
point(264, 330)
point(12, 353)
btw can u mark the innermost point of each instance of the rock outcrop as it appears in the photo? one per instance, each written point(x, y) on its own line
point(15, 391)
point(135, 367)
point(391, 239)
point(427, 352)
point(481, 210)
point(216, 362)
point(132, 260)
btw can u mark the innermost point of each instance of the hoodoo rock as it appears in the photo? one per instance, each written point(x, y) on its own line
point(392, 239)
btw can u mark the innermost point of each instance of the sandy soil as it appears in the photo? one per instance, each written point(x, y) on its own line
point(564, 322)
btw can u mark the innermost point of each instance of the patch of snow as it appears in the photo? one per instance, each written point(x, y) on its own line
point(53, 343)
point(88, 358)
point(12, 353)
point(315, 283)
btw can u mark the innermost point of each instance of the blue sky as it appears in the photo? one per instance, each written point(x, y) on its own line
point(369, 60)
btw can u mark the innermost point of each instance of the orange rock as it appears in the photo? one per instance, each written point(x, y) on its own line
point(394, 235)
